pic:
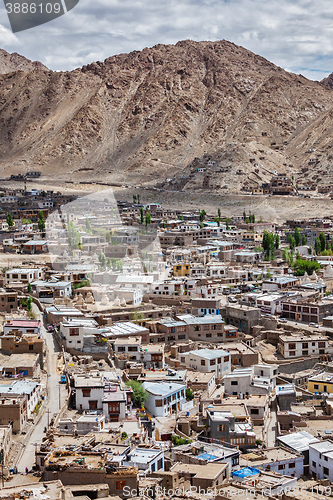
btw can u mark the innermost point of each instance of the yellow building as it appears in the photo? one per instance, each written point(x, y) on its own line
point(323, 382)
point(181, 270)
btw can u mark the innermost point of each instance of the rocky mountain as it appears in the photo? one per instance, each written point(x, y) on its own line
point(16, 62)
point(194, 115)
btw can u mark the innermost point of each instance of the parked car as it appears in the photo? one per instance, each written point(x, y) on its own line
point(232, 299)
point(315, 325)
point(282, 320)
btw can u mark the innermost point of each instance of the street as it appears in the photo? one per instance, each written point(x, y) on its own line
point(52, 403)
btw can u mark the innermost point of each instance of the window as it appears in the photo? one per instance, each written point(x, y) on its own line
point(326, 459)
point(160, 464)
point(73, 332)
point(120, 485)
point(219, 360)
point(304, 345)
point(234, 382)
point(203, 362)
point(314, 464)
point(31, 347)
point(292, 465)
point(86, 393)
point(305, 353)
point(158, 403)
point(316, 387)
point(292, 353)
point(254, 411)
point(281, 467)
point(292, 346)
point(208, 335)
point(325, 471)
point(121, 348)
point(226, 359)
point(221, 428)
point(212, 362)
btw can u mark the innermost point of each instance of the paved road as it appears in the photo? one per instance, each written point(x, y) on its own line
point(28, 457)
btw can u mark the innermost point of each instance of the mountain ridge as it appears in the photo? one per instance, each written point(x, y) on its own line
point(155, 116)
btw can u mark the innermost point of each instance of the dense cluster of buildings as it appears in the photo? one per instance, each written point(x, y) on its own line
point(189, 360)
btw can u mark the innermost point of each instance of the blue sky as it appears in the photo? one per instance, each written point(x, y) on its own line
point(296, 35)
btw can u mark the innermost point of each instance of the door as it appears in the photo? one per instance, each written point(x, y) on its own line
point(93, 405)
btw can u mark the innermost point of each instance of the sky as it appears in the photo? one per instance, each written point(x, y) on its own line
point(294, 34)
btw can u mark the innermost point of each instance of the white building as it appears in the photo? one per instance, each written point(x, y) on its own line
point(207, 360)
point(257, 379)
point(148, 459)
point(294, 346)
point(22, 325)
point(73, 332)
point(132, 296)
point(321, 460)
point(131, 349)
point(24, 275)
point(47, 290)
point(89, 391)
point(31, 390)
point(164, 398)
point(141, 281)
point(269, 303)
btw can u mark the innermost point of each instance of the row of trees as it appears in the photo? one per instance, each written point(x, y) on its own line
point(145, 217)
point(107, 263)
point(251, 218)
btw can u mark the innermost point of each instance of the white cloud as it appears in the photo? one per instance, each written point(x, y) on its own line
point(295, 35)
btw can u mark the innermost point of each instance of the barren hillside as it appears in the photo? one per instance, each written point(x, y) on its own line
point(156, 116)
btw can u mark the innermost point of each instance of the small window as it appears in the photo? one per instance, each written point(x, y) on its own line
point(234, 382)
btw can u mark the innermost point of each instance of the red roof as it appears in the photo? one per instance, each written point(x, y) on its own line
point(23, 323)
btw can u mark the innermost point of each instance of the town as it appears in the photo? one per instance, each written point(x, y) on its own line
point(155, 352)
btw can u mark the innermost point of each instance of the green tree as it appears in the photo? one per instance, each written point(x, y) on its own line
point(227, 223)
point(10, 220)
point(138, 197)
point(244, 216)
point(303, 239)
point(202, 215)
point(322, 240)
point(309, 266)
point(88, 226)
point(189, 394)
point(292, 242)
point(181, 217)
point(102, 261)
point(276, 241)
point(142, 215)
point(41, 221)
point(218, 220)
point(268, 274)
point(134, 198)
point(29, 287)
point(108, 236)
point(147, 219)
point(139, 395)
point(268, 244)
point(297, 236)
point(219, 213)
point(317, 246)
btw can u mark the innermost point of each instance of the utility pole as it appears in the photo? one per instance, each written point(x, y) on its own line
point(48, 418)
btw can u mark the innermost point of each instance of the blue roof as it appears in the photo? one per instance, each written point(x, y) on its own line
point(246, 472)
